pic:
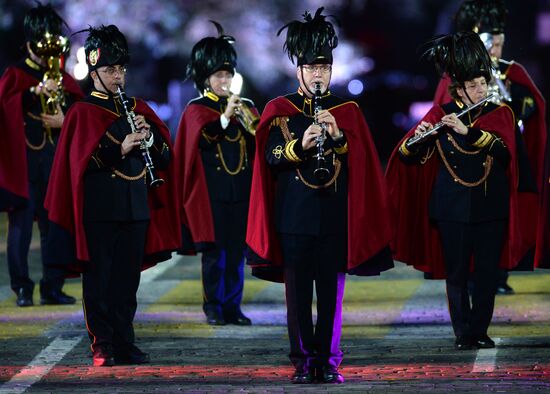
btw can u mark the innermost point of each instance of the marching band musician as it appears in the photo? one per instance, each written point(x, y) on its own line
point(304, 229)
point(29, 137)
point(214, 151)
point(456, 190)
point(99, 193)
point(514, 87)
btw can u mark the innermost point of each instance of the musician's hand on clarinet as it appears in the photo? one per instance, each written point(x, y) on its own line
point(142, 126)
point(310, 135)
point(454, 122)
point(53, 121)
point(233, 103)
point(130, 142)
point(324, 116)
point(424, 127)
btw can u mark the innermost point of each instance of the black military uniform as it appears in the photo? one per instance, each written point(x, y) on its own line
point(225, 155)
point(311, 222)
point(226, 148)
point(41, 144)
point(470, 204)
point(116, 216)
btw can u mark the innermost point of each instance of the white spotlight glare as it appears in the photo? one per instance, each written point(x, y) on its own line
point(236, 84)
point(80, 71)
point(355, 87)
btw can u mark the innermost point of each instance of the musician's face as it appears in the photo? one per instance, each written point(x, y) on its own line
point(220, 82)
point(310, 74)
point(498, 43)
point(112, 76)
point(476, 89)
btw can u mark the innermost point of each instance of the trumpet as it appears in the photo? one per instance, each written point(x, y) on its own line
point(50, 49)
point(420, 137)
point(130, 116)
point(248, 119)
point(321, 171)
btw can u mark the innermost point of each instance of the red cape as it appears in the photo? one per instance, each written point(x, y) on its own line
point(82, 130)
point(193, 199)
point(13, 149)
point(370, 227)
point(417, 240)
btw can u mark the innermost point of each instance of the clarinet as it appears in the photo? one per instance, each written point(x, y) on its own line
point(130, 116)
point(321, 171)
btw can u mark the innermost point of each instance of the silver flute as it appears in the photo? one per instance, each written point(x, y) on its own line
point(144, 149)
point(420, 137)
point(321, 171)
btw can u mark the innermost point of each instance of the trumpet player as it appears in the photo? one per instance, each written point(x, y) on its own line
point(514, 87)
point(306, 230)
point(29, 134)
point(99, 195)
point(455, 191)
point(214, 150)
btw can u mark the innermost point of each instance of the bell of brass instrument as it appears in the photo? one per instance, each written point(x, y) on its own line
point(418, 138)
point(248, 119)
point(154, 181)
point(497, 85)
point(321, 171)
point(50, 48)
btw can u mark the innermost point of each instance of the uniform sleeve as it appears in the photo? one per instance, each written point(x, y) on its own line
point(279, 152)
point(490, 143)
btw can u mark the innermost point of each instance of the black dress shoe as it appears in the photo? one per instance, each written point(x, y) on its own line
point(464, 343)
point(484, 342)
point(103, 357)
point(24, 298)
point(56, 298)
point(239, 319)
point(504, 289)
point(131, 354)
point(302, 377)
point(330, 374)
point(215, 319)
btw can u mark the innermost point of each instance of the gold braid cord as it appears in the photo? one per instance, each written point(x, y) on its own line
point(488, 164)
point(36, 147)
point(129, 178)
point(242, 153)
point(337, 165)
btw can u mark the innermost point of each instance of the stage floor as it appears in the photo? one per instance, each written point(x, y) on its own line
point(396, 338)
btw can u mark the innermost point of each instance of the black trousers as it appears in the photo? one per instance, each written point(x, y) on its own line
point(461, 242)
point(223, 266)
point(319, 260)
point(20, 223)
point(111, 281)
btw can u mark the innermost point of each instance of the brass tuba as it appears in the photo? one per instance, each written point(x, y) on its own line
point(50, 48)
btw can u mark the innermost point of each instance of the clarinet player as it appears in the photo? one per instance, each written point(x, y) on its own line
point(106, 200)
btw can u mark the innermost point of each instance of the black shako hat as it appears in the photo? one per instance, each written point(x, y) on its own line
point(461, 55)
point(40, 20)
point(209, 55)
point(312, 41)
point(481, 16)
point(105, 46)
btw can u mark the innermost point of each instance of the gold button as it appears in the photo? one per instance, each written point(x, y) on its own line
point(242, 169)
point(292, 134)
point(452, 152)
point(217, 155)
point(113, 175)
point(218, 168)
point(297, 177)
point(456, 179)
point(454, 166)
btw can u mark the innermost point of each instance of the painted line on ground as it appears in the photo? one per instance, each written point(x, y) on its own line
point(40, 365)
point(486, 358)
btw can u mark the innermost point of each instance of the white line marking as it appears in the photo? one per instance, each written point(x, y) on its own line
point(486, 359)
point(40, 365)
point(153, 273)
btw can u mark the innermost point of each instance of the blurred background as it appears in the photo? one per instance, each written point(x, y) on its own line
point(377, 62)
